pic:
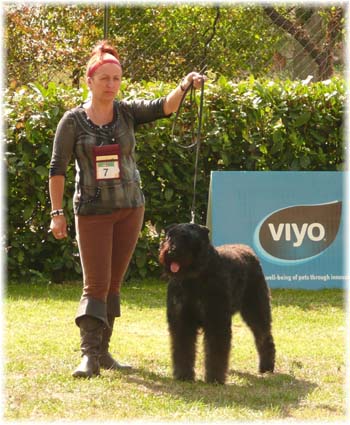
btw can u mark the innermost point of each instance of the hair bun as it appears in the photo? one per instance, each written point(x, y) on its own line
point(104, 47)
point(96, 58)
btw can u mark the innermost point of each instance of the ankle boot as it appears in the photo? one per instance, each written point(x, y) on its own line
point(105, 359)
point(91, 330)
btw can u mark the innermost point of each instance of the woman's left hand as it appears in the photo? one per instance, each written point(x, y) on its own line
point(195, 77)
point(173, 99)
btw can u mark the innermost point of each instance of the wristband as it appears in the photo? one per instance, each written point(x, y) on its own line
point(54, 213)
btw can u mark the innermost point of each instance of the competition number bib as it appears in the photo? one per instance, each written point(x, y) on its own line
point(107, 164)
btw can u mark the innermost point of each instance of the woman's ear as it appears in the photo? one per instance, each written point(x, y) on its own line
point(89, 81)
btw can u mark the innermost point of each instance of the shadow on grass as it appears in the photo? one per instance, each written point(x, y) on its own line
point(255, 392)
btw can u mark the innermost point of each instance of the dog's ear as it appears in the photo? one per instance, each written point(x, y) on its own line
point(168, 228)
point(205, 231)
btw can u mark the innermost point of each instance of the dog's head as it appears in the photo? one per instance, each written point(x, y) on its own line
point(184, 251)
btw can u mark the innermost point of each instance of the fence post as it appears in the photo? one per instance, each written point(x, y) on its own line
point(106, 22)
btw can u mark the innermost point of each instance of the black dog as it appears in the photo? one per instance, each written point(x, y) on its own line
point(207, 286)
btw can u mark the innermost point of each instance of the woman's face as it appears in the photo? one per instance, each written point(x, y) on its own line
point(105, 82)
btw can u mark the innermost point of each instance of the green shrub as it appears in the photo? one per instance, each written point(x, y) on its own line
point(252, 125)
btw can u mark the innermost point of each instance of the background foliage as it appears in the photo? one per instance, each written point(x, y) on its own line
point(250, 125)
point(255, 118)
point(52, 42)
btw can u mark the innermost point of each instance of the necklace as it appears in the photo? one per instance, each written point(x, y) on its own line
point(100, 119)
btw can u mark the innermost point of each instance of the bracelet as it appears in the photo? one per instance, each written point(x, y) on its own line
point(54, 213)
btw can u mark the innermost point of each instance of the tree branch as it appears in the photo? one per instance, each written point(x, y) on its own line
point(297, 32)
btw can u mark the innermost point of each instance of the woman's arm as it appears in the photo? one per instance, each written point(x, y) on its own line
point(58, 223)
point(61, 154)
point(173, 99)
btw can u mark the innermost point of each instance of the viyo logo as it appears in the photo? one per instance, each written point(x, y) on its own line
point(298, 233)
point(315, 232)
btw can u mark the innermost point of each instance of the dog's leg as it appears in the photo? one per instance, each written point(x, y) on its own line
point(266, 349)
point(263, 340)
point(183, 349)
point(217, 342)
point(256, 312)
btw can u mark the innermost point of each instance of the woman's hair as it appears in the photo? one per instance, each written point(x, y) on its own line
point(97, 54)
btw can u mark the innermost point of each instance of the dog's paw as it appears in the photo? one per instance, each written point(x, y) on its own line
point(266, 367)
point(215, 380)
point(184, 376)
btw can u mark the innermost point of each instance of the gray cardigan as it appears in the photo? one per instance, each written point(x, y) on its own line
point(76, 136)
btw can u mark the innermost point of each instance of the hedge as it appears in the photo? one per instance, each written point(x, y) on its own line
point(252, 125)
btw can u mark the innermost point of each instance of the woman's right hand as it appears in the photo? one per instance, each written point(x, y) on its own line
point(58, 226)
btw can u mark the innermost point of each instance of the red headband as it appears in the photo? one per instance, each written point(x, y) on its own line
point(93, 68)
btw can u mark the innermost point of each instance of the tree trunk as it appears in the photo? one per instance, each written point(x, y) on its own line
point(321, 52)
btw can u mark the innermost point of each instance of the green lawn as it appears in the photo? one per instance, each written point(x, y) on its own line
point(41, 349)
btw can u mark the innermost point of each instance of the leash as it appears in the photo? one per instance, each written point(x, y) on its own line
point(198, 143)
point(196, 137)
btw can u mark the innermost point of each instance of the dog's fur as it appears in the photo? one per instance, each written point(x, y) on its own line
point(206, 287)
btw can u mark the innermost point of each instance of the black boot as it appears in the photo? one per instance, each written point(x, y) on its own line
point(113, 311)
point(91, 319)
point(91, 330)
point(106, 359)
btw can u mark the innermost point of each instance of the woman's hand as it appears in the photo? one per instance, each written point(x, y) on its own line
point(194, 77)
point(173, 99)
point(58, 226)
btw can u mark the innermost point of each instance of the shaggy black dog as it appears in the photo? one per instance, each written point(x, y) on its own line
point(207, 286)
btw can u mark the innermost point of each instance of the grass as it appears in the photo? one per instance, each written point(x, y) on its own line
point(42, 348)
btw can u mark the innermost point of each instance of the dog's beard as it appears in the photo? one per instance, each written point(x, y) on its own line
point(171, 260)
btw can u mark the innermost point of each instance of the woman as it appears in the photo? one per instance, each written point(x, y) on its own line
point(108, 201)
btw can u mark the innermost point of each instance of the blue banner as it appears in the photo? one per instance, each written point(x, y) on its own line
point(294, 221)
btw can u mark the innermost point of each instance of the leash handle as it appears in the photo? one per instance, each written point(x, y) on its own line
point(197, 138)
point(188, 88)
point(198, 143)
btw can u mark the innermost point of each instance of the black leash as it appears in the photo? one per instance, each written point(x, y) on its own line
point(196, 138)
point(198, 143)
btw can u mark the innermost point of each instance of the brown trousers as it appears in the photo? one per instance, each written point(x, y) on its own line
point(106, 244)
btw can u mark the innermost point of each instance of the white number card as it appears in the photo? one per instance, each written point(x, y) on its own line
point(107, 162)
point(107, 167)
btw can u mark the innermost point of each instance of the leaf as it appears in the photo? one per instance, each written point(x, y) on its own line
point(305, 162)
point(302, 119)
point(42, 171)
point(141, 260)
point(168, 194)
point(28, 211)
point(263, 149)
